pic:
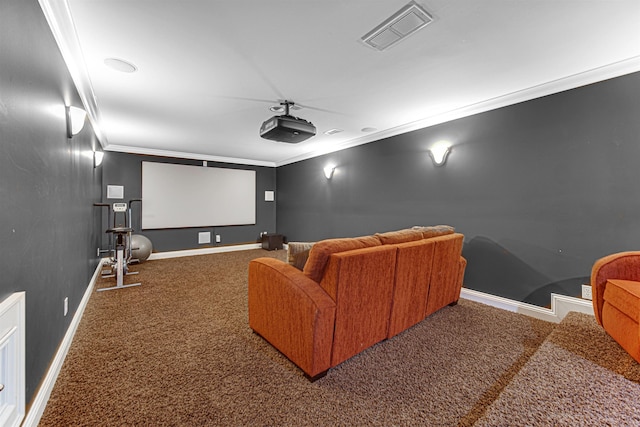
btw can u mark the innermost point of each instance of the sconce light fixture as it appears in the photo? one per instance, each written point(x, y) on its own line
point(439, 152)
point(97, 158)
point(328, 171)
point(75, 120)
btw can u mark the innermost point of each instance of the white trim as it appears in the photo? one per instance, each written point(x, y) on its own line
point(182, 155)
point(60, 20)
point(203, 251)
point(617, 69)
point(58, 15)
point(560, 305)
point(627, 66)
point(13, 344)
point(42, 397)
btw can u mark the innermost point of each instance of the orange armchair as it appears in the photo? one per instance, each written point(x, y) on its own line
point(615, 284)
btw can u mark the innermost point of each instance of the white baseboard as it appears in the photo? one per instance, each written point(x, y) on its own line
point(40, 401)
point(204, 251)
point(42, 397)
point(560, 305)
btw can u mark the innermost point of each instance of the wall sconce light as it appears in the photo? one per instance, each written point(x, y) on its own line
point(439, 152)
point(75, 120)
point(97, 158)
point(328, 171)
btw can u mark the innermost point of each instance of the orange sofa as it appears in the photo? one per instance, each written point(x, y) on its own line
point(353, 293)
point(615, 286)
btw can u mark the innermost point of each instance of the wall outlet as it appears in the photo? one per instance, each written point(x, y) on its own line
point(66, 305)
point(586, 292)
point(217, 238)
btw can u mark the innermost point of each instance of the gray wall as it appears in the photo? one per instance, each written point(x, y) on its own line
point(126, 169)
point(540, 189)
point(48, 227)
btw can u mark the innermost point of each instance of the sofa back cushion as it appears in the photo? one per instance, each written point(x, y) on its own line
point(446, 282)
point(298, 252)
point(322, 250)
point(399, 236)
point(361, 283)
point(414, 261)
point(434, 230)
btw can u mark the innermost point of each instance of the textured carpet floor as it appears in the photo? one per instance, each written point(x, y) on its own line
point(579, 376)
point(178, 351)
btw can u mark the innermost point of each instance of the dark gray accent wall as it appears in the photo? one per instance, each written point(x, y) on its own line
point(48, 227)
point(126, 170)
point(540, 189)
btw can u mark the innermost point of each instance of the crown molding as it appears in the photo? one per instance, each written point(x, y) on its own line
point(184, 155)
point(617, 69)
point(60, 21)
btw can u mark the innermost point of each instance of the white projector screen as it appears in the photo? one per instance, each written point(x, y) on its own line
point(179, 196)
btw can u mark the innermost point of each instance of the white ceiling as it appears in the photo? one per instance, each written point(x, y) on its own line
point(209, 70)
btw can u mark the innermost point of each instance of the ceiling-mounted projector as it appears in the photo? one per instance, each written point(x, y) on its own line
point(286, 128)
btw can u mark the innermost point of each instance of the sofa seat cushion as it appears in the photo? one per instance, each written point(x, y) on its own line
point(399, 236)
point(322, 250)
point(625, 296)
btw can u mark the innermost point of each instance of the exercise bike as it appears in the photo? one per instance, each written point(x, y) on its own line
point(120, 249)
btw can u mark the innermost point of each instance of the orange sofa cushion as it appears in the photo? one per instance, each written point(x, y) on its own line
point(625, 296)
point(414, 261)
point(361, 284)
point(321, 251)
point(434, 230)
point(446, 272)
point(399, 236)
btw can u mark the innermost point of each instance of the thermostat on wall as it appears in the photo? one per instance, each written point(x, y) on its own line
point(269, 196)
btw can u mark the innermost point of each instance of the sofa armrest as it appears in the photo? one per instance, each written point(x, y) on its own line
point(622, 265)
point(292, 312)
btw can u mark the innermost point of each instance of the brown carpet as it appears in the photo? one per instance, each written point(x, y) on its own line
point(579, 376)
point(178, 351)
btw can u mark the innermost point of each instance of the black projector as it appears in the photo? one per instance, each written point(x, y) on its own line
point(287, 128)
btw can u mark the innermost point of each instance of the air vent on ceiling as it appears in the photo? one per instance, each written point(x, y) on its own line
point(403, 23)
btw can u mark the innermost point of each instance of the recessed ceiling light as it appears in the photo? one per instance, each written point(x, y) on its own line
point(368, 129)
point(120, 65)
point(332, 131)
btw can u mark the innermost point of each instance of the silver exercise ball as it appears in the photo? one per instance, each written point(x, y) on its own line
point(141, 247)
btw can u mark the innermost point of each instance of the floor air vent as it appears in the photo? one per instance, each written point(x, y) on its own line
point(402, 24)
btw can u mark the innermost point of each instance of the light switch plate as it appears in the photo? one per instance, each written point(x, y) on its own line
point(115, 191)
point(204, 237)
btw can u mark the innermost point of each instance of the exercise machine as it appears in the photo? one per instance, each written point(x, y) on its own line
point(120, 249)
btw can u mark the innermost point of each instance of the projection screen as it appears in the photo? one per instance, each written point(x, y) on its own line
point(179, 196)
